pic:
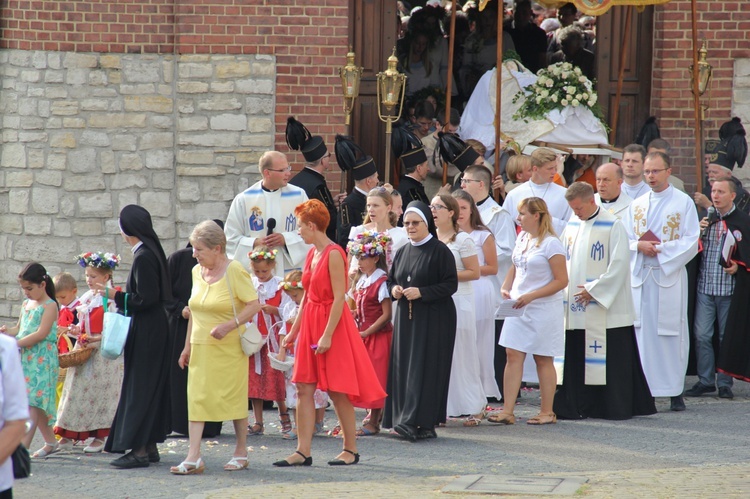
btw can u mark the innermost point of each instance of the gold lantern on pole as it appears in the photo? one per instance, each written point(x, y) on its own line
point(350, 74)
point(390, 91)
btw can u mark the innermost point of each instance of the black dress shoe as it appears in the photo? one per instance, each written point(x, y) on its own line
point(406, 431)
point(725, 392)
point(341, 462)
point(129, 461)
point(286, 464)
point(677, 404)
point(426, 433)
point(698, 389)
point(153, 453)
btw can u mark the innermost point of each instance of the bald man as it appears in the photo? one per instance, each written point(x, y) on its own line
point(609, 194)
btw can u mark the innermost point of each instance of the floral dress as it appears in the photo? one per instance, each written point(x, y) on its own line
point(40, 366)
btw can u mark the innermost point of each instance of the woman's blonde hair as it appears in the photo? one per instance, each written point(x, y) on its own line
point(209, 234)
point(534, 206)
point(542, 155)
point(516, 165)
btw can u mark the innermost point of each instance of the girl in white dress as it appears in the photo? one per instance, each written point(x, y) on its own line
point(485, 294)
point(465, 392)
point(535, 282)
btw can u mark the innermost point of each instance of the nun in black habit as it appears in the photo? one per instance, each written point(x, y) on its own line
point(142, 417)
point(180, 265)
point(422, 280)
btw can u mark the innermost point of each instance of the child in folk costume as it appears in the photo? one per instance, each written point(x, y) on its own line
point(373, 312)
point(92, 390)
point(264, 382)
point(292, 286)
point(66, 294)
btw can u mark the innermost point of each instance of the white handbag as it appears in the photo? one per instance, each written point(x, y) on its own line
point(251, 339)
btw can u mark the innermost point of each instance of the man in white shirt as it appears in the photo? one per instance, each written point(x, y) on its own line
point(249, 222)
point(663, 229)
point(632, 170)
point(609, 190)
point(14, 409)
point(543, 169)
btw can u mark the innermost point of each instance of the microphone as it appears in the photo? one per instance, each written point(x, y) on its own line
point(271, 224)
point(712, 217)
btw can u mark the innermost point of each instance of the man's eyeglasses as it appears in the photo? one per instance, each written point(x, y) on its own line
point(646, 173)
point(287, 169)
point(468, 180)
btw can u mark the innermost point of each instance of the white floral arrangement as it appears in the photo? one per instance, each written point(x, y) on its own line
point(557, 87)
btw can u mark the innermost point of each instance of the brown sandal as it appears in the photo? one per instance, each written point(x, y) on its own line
point(541, 419)
point(502, 418)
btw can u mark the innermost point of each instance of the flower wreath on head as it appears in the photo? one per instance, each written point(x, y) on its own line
point(262, 255)
point(369, 243)
point(290, 285)
point(98, 260)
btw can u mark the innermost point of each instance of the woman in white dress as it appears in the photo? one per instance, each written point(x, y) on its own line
point(486, 294)
point(465, 392)
point(380, 217)
point(535, 282)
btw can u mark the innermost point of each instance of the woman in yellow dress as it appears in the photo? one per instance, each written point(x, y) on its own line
point(222, 300)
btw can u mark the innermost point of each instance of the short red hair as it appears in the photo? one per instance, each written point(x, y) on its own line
point(313, 211)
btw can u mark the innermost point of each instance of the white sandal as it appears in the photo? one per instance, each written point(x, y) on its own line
point(43, 453)
point(188, 468)
point(93, 449)
point(236, 464)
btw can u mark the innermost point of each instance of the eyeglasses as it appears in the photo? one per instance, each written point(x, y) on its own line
point(467, 180)
point(413, 224)
point(438, 207)
point(287, 169)
point(646, 173)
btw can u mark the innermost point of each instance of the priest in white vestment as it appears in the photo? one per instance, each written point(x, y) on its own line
point(663, 231)
point(609, 194)
point(601, 373)
point(263, 215)
point(543, 169)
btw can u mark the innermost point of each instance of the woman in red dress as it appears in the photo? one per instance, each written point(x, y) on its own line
point(336, 360)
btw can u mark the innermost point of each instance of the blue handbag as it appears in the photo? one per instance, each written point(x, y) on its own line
point(115, 331)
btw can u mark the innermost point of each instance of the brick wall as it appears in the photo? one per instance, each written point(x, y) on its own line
point(309, 40)
point(726, 28)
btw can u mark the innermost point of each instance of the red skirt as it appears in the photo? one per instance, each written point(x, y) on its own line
point(345, 368)
point(269, 384)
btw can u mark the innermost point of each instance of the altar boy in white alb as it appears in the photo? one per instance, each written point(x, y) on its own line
point(600, 374)
point(663, 231)
point(263, 215)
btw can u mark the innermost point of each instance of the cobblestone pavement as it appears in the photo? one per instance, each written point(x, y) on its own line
point(702, 452)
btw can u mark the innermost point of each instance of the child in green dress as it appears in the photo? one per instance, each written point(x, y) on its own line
point(36, 332)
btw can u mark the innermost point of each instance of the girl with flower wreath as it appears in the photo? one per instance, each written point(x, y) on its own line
point(92, 390)
point(373, 313)
point(381, 216)
point(292, 287)
point(265, 383)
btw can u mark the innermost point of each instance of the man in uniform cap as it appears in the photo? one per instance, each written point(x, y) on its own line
point(311, 178)
point(352, 210)
point(409, 150)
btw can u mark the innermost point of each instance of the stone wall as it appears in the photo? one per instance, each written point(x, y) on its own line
point(85, 134)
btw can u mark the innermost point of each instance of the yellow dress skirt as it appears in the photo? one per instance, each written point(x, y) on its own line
point(218, 370)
